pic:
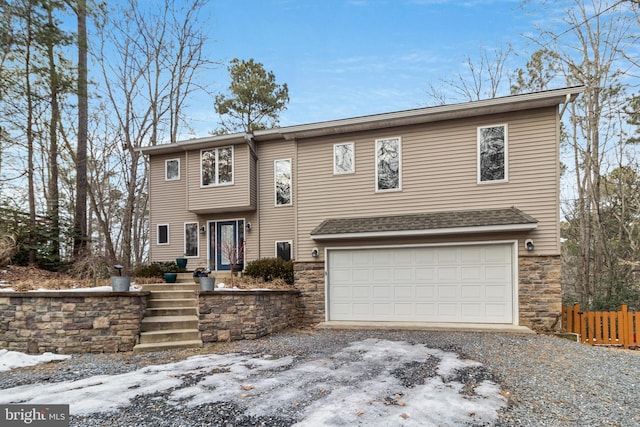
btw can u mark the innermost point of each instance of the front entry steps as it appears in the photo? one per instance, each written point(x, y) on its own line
point(171, 318)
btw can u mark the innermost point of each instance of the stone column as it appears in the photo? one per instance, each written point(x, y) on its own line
point(539, 292)
point(309, 280)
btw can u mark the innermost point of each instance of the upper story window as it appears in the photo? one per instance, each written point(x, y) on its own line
point(172, 169)
point(217, 166)
point(344, 160)
point(492, 154)
point(282, 182)
point(389, 164)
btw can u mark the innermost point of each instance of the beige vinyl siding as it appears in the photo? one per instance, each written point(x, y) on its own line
point(439, 173)
point(276, 223)
point(219, 198)
point(168, 206)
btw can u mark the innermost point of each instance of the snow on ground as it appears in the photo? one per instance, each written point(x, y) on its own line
point(14, 359)
point(370, 382)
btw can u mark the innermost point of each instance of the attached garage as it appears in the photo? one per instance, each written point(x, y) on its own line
point(464, 281)
point(472, 283)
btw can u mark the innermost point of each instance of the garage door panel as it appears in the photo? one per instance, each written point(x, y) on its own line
point(402, 274)
point(447, 274)
point(468, 292)
point(463, 283)
point(361, 309)
point(425, 256)
point(471, 274)
point(447, 292)
point(400, 292)
point(381, 275)
point(425, 274)
point(471, 255)
point(497, 272)
point(382, 291)
point(447, 256)
point(425, 292)
point(383, 309)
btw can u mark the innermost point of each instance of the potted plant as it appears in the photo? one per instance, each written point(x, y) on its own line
point(120, 283)
point(170, 277)
point(182, 262)
point(201, 275)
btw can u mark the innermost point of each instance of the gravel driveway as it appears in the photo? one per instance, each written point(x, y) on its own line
point(543, 380)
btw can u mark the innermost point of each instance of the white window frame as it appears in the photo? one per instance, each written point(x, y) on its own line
point(377, 143)
point(290, 242)
point(216, 150)
point(168, 242)
point(506, 155)
point(275, 184)
point(166, 170)
point(353, 159)
point(184, 239)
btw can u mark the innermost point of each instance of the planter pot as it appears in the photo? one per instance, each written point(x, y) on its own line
point(120, 284)
point(207, 283)
point(170, 277)
point(182, 262)
point(236, 268)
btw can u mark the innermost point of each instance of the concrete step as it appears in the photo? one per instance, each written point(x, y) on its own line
point(169, 336)
point(166, 323)
point(186, 294)
point(170, 311)
point(167, 302)
point(142, 348)
point(190, 286)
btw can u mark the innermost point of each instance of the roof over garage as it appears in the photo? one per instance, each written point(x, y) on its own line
point(433, 223)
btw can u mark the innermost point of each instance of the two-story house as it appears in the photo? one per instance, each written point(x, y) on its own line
point(446, 214)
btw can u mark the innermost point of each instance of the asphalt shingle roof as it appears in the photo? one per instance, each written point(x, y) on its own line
point(424, 221)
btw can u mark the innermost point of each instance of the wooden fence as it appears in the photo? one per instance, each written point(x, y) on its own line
point(621, 328)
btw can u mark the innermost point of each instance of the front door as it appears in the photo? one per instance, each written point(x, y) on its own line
point(227, 243)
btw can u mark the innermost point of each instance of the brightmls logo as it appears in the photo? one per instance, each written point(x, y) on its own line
point(34, 415)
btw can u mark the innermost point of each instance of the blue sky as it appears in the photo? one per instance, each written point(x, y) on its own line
point(346, 58)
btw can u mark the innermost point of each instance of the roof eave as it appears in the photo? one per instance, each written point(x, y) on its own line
point(432, 114)
point(428, 232)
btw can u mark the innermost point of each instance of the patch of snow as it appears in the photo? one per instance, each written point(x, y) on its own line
point(359, 385)
point(14, 359)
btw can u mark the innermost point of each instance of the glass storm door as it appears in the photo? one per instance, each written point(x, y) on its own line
point(228, 243)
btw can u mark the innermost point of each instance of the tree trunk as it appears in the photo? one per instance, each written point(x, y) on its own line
point(80, 242)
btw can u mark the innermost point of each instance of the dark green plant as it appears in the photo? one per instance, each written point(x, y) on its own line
point(157, 269)
point(270, 268)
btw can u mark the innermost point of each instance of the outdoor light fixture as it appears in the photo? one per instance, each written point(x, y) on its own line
point(529, 244)
point(314, 252)
point(202, 229)
point(248, 226)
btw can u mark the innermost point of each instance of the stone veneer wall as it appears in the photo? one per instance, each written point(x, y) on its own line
point(235, 315)
point(308, 278)
point(71, 322)
point(540, 294)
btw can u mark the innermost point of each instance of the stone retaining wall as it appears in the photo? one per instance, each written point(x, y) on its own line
point(227, 315)
point(71, 322)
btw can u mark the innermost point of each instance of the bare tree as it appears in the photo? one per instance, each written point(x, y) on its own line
point(587, 52)
point(483, 78)
point(149, 60)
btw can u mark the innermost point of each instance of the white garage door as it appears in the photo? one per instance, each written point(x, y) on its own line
point(430, 284)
